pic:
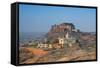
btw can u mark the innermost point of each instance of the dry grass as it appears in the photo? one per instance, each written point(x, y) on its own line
point(35, 55)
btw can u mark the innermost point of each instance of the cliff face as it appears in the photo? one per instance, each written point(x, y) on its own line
point(60, 30)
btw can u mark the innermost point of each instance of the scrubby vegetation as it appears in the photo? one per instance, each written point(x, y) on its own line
point(75, 53)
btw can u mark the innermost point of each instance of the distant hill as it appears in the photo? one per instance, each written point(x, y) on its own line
point(28, 36)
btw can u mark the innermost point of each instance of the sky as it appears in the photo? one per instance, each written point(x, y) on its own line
point(36, 18)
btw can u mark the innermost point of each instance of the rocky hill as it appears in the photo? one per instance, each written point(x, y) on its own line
point(60, 29)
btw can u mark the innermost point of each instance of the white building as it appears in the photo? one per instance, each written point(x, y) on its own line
point(67, 40)
point(41, 45)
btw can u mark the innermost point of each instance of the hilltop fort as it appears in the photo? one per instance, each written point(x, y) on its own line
point(61, 30)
